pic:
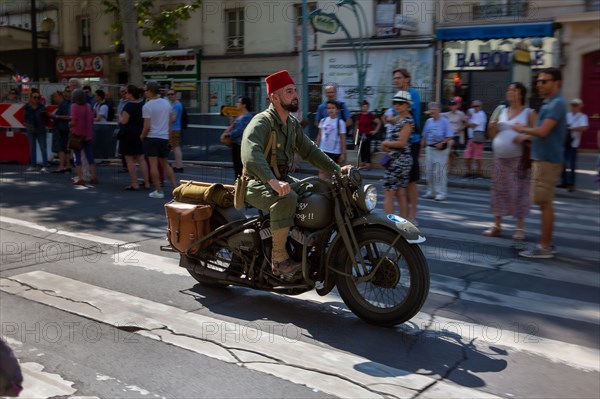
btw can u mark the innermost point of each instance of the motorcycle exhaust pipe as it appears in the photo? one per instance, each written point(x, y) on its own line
point(221, 276)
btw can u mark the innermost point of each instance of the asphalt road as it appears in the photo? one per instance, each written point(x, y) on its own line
point(93, 308)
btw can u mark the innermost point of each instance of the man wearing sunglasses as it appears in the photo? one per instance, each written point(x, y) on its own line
point(36, 118)
point(547, 154)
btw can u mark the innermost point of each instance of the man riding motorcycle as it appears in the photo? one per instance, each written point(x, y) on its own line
point(269, 186)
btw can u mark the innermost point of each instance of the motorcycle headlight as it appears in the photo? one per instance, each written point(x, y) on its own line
point(367, 197)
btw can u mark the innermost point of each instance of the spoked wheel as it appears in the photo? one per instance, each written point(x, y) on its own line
point(399, 287)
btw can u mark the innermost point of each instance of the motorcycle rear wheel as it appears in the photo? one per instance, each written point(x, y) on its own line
point(222, 253)
point(203, 280)
point(398, 289)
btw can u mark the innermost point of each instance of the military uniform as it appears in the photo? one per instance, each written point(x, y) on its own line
point(290, 139)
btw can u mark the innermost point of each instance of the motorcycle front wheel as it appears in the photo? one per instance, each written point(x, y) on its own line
point(397, 290)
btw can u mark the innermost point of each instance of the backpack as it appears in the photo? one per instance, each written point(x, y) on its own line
point(185, 120)
point(111, 112)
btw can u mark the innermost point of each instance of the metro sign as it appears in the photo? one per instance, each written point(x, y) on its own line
point(12, 115)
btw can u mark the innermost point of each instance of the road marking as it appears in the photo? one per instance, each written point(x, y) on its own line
point(81, 235)
point(440, 284)
point(284, 356)
point(448, 286)
point(482, 336)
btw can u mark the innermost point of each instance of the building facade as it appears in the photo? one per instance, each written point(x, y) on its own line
point(477, 41)
point(227, 48)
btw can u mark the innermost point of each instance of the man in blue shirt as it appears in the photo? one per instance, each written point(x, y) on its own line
point(437, 135)
point(547, 154)
point(331, 95)
point(175, 131)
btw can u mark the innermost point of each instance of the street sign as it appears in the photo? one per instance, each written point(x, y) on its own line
point(12, 115)
point(325, 23)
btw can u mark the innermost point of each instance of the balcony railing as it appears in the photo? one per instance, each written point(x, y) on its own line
point(235, 44)
point(500, 10)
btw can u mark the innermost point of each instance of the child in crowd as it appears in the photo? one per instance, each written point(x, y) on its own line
point(332, 136)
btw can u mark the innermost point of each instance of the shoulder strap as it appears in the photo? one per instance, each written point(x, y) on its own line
point(271, 147)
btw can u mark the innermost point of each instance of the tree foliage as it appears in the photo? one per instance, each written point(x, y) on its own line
point(156, 20)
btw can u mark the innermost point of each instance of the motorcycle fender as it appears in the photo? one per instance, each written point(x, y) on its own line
point(393, 222)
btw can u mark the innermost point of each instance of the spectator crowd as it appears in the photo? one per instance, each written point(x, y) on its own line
point(532, 149)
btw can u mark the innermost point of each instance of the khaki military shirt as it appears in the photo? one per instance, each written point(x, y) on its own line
point(290, 139)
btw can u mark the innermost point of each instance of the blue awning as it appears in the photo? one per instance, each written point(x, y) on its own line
point(499, 31)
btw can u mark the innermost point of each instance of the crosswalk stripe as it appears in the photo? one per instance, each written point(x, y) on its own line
point(515, 299)
point(521, 338)
point(487, 218)
point(299, 362)
point(485, 242)
point(38, 383)
point(440, 284)
point(81, 235)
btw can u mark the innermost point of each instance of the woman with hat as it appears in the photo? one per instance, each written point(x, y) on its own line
point(397, 175)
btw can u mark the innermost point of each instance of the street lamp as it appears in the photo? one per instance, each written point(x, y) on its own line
point(329, 23)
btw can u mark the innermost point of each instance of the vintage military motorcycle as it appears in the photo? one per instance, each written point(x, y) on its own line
point(372, 258)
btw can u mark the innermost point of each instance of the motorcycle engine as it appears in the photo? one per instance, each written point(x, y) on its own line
point(314, 211)
point(247, 240)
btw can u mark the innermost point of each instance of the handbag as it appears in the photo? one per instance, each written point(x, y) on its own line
point(239, 193)
point(75, 142)
point(386, 161)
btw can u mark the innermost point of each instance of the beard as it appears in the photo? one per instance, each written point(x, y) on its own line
point(291, 107)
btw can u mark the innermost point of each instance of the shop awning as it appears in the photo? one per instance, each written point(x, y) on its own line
point(498, 31)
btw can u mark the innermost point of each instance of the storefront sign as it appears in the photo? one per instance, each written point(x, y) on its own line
point(496, 58)
point(79, 66)
point(165, 66)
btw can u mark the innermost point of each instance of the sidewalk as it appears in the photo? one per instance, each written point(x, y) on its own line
point(586, 186)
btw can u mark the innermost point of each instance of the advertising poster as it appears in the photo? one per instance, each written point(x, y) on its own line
point(340, 67)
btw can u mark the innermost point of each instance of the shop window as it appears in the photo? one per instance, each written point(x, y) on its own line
point(386, 12)
point(397, 2)
point(235, 30)
point(494, 9)
point(85, 37)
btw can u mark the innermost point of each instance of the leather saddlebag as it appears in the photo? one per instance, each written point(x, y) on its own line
point(187, 223)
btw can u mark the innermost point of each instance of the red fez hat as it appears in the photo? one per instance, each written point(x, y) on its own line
point(278, 80)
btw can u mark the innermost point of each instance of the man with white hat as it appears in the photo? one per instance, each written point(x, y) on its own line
point(577, 123)
point(269, 186)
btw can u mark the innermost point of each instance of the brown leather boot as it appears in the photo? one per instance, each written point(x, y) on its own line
point(282, 265)
point(287, 268)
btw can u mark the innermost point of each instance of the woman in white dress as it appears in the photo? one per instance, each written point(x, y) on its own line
point(511, 175)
